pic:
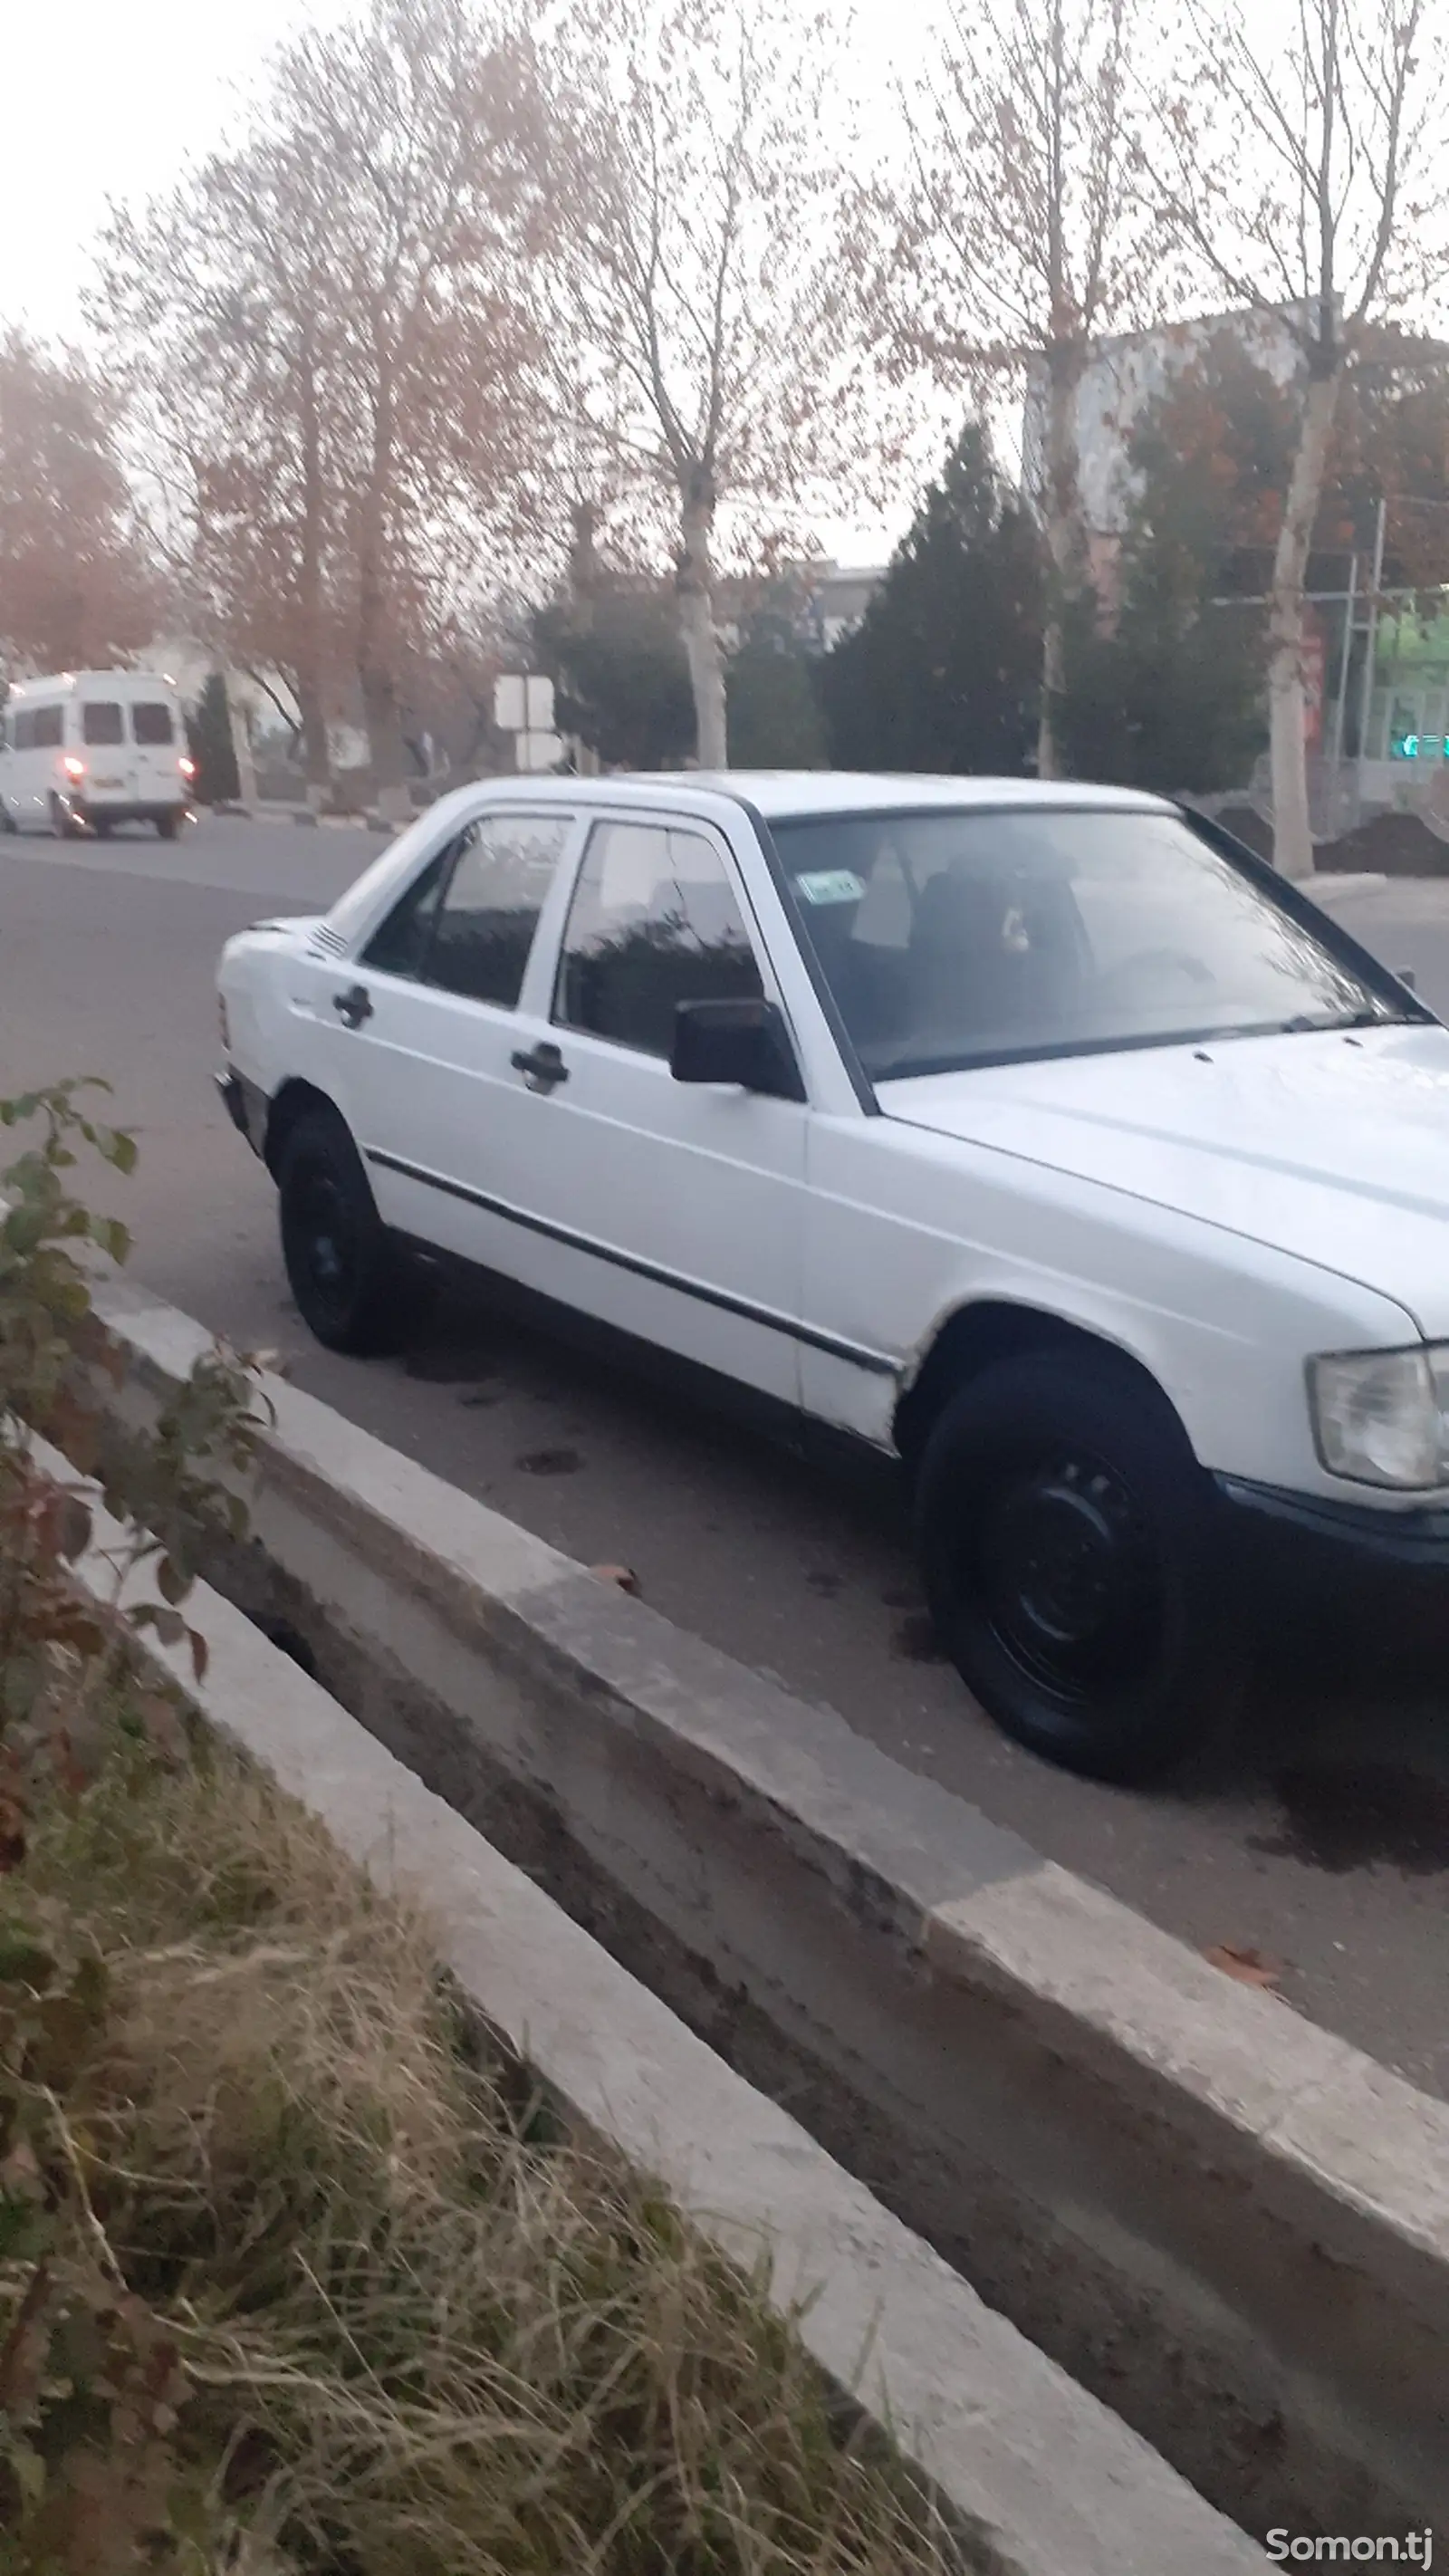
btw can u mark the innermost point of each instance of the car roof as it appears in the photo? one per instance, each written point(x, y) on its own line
point(65, 680)
point(778, 794)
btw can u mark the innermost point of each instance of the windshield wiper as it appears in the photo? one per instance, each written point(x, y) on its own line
point(1306, 1022)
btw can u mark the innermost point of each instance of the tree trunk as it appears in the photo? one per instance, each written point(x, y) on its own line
point(316, 754)
point(1063, 529)
point(375, 674)
point(311, 700)
point(694, 583)
point(241, 743)
point(584, 568)
point(1292, 838)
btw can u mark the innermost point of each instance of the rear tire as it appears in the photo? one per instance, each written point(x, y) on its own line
point(167, 826)
point(102, 827)
point(356, 1288)
point(1069, 1545)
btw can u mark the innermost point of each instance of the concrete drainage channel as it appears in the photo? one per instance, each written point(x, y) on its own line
point(1033, 2476)
point(1231, 2227)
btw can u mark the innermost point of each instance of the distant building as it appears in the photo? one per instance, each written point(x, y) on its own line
point(836, 597)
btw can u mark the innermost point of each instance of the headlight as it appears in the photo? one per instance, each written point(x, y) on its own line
point(1382, 1417)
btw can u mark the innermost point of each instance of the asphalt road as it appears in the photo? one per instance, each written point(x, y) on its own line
point(1324, 1845)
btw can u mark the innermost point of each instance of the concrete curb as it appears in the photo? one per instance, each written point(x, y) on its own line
point(1038, 2476)
point(1230, 2224)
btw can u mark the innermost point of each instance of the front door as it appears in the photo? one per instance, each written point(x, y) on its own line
point(671, 1210)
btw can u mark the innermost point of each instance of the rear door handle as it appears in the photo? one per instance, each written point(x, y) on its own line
point(353, 1006)
point(542, 1067)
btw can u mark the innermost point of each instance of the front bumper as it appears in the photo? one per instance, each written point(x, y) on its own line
point(246, 1106)
point(1308, 1563)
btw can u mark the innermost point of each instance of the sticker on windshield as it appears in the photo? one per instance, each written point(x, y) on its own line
point(830, 885)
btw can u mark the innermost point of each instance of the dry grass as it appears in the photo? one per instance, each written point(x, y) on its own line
point(428, 2337)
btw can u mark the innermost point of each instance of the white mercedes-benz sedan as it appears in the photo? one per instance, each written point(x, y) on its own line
point(1036, 1134)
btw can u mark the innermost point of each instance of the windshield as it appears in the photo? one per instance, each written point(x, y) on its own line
point(953, 939)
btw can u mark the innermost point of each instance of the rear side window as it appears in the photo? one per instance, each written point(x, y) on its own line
point(399, 946)
point(152, 723)
point(49, 724)
point(22, 729)
point(101, 722)
point(501, 875)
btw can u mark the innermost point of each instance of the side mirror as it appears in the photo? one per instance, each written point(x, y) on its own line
point(742, 1042)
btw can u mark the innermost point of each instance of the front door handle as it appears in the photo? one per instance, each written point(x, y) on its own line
point(542, 1068)
point(353, 1006)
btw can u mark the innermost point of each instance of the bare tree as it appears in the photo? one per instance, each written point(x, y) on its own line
point(1304, 178)
point(75, 586)
point(338, 309)
point(1014, 239)
point(703, 319)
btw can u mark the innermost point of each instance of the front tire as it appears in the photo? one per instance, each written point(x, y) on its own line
point(1068, 1543)
point(63, 823)
point(355, 1288)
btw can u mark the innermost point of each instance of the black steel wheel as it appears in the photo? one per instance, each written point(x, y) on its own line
point(355, 1287)
point(1069, 1544)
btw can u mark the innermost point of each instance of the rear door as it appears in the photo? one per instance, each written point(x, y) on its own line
point(103, 744)
point(414, 1040)
point(157, 744)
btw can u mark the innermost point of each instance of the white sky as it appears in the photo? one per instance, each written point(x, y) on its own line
point(109, 101)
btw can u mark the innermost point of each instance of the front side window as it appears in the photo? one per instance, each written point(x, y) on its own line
point(953, 939)
point(48, 728)
point(502, 868)
point(654, 922)
point(152, 724)
point(23, 735)
point(101, 722)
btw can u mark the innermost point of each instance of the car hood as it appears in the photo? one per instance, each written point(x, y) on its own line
point(1330, 1146)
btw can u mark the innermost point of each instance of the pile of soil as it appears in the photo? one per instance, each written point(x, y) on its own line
point(1388, 845)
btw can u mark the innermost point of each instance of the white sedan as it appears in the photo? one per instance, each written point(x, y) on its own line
point(1036, 1134)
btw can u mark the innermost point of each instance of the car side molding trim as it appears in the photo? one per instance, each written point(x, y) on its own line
point(875, 1363)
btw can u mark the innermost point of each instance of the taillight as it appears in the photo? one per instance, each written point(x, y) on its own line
point(187, 768)
point(74, 768)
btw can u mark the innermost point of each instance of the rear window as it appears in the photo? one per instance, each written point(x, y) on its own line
point(151, 722)
point(101, 722)
point(48, 728)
